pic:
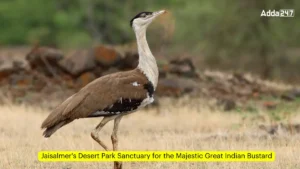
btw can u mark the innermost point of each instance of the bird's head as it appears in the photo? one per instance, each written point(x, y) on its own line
point(143, 19)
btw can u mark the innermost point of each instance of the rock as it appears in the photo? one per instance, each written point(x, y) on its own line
point(38, 55)
point(110, 71)
point(129, 62)
point(220, 89)
point(67, 81)
point(45, 59)
point(85, 79)
point(129, 56)
point(296, 92)
point(77, 62)
point(288, 97)
point(175, 86)
point(21, 80)
point(10, 65)
point(6, 68)
point(163, 69)
point(106, 56)
point(291, 95)
point(98, 71)
point(183, 67)
point(245, 91)
point(238, 78)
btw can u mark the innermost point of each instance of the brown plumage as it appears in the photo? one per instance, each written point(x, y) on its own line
point(96, 96)
point(115, 95)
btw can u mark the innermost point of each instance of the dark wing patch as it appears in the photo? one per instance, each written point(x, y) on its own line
point(140, 15)
point(150, 89)
point(124, 105)
point(120, 106)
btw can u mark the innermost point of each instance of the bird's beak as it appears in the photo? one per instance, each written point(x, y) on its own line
point(157, 13)
point(154, 15)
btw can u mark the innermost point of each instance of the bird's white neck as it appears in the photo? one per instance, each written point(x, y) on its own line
point(147, 63)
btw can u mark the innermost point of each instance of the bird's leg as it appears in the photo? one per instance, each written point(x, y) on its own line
point(114, 140)
point(114, 137)
point(95, 133)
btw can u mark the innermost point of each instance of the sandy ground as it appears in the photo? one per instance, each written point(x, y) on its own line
point(173, 127)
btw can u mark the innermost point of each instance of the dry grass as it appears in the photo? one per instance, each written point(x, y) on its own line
point(176, 127)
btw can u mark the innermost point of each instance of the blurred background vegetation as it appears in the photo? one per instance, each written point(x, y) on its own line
point(225, 35)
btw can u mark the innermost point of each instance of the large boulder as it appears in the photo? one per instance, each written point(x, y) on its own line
point(45, 60)
point(78, 61)
point(106, 55)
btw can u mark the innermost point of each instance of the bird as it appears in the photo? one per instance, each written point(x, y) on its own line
point(114, 95)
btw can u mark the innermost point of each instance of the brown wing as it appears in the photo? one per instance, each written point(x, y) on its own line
point(98, 95)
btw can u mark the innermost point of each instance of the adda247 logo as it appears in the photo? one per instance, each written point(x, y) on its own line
point(278, 13)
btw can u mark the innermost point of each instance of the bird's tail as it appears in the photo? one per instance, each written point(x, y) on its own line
point(50, 130)
point(62, 114)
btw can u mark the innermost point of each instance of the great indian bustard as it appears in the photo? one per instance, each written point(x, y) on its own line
point(114, 95)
